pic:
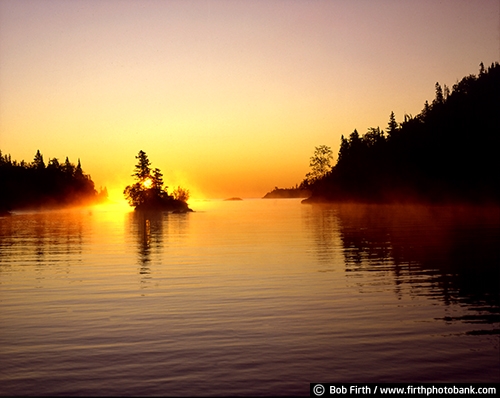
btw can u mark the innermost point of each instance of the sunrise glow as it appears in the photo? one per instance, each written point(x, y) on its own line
point(228, 98)
point(249, 197)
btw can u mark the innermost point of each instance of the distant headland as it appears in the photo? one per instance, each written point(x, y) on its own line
point(447, 154)
point(287, 193)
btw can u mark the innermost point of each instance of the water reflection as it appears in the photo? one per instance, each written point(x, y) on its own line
point(51, 238)
point(323, 221)
point(148, 229)
point(154, 232)
point(237, 288)
point(448, 254)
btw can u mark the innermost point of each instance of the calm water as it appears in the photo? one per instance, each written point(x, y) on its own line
point(254, 297)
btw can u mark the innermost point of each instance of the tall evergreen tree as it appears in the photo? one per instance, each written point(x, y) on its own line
point(142, 168)
point(78, 170)
point(344, 150)
point(38, 162)
point(392, 126)
point(68, 168)
point(439, 95)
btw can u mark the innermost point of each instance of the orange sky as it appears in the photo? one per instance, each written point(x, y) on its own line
point(227, 98)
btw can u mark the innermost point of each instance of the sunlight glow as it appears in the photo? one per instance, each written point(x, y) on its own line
point(234, 122)
point(148, 182)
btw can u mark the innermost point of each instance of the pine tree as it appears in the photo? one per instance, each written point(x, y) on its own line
point(38, 162)
point(142, 168)
point(68, 168)
point(439, 95)
point(392, 126)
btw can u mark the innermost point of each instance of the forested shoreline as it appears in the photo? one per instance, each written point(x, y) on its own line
point(37, 185)
point(287, 193)
point(446, 154)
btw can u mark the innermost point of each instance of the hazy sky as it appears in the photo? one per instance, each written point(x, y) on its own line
point(227, 97)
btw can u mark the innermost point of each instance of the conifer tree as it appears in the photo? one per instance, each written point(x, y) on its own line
point(392, 126)
point(142, 168)
point(38, 162)
point(439, 95)
point(148, 192)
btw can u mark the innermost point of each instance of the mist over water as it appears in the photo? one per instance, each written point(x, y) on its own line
point(252, 297)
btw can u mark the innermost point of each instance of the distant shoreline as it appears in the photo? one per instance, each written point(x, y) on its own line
point(317, 200)
point(287, 193)
point(445, 155)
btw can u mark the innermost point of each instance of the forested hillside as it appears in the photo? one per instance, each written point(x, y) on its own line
point(447, 153)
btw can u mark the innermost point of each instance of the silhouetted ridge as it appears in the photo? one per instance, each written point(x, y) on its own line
point(34, 185)
point(287, 193)
point(447, 153)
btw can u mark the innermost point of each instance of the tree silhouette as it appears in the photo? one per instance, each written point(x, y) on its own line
point(142, 168)
point(38, 163)
point(447, 153)
point(320, 163)
point(181, 194)
point(392, 127)
point(373, 137)
point(148, 193)
point(35, 185)
point(157, 180)
point(439, 95)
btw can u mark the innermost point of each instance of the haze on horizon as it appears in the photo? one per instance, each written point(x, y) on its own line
point(227, 98)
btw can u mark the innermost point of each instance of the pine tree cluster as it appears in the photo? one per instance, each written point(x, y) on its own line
point(447, 153)
point(33, 185)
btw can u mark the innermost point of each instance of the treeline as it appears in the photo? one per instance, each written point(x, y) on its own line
point(447, 153)
point(33, 185)
point(287, 193)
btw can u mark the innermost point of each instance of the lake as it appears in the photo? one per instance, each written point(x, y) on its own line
point(252, 297)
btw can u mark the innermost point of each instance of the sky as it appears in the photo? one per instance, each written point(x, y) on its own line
point(226, 97)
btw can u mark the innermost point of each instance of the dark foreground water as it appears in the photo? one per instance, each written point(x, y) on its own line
point(255, 297)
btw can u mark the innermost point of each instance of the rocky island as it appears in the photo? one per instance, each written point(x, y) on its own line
point(148, 193)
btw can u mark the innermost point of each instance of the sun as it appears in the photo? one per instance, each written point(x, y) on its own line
point(147, 183)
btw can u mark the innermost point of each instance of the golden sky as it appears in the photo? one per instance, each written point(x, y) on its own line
point(226, 97)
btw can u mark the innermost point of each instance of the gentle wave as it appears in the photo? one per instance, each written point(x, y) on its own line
point(255, 297)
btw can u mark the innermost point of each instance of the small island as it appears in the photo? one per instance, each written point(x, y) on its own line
point(148, 193)
point(232, 199)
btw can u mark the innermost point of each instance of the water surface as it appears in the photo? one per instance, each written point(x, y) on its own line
point(252, 297)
